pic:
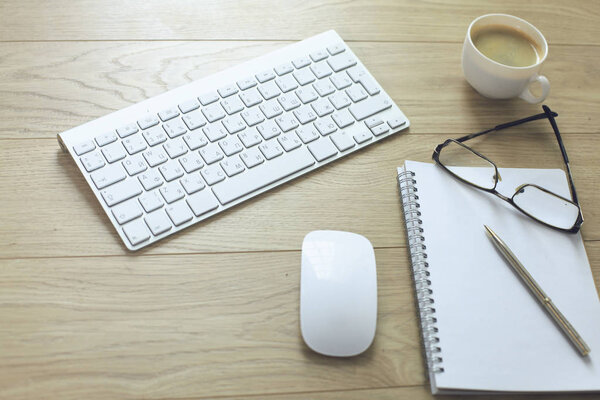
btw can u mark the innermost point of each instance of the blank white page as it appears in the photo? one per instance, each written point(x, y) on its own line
point(494, 335)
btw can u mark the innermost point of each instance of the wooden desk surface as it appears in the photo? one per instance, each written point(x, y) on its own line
point(213, 312)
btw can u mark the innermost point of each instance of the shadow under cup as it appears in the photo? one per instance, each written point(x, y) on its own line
point(499, 81)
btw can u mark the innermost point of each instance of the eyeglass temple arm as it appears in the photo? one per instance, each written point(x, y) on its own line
point(551, 116)
point(511, 124)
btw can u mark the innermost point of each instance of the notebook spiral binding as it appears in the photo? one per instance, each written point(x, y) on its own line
point(424, 294)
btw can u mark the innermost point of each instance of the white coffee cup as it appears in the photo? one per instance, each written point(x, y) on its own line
point(498, 81)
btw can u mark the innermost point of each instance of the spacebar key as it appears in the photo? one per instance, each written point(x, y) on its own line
point(263, 175)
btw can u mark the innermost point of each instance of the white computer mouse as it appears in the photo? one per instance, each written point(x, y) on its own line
point(338, 293)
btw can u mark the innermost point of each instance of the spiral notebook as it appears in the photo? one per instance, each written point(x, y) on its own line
point(482, 330)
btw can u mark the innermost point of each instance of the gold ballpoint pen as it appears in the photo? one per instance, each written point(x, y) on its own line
point(539, 294)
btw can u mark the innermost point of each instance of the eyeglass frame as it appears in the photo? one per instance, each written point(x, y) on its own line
point(548, 114)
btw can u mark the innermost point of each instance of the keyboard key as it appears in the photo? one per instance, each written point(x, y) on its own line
point(158, 222)
point(252, 116)
point(175, 128)
point(304, 76)
point(213, 174)
point(269, 90)
point(373, 121)
point(172, 192)
point(324, 87)
point(322, 149)
point(231, 145)
point(105, 139)
point(84, 147)
point(319, 55)
point(268, 130)
point(252, 157)
point(249, 138)
point(284, 68)
point(363, 136)
point(306, 95)
point(150, 179)
point(155, 135)
point(234, 124)
point(107, 176)
point(286, 122)
point(202, 202)
point(151, 201)
point(191, 162)
point(135, 164)
point(168, 114)
point(155, 156)
point(214, 112)
point(336, 49)
point(189, 105)
point(121, 191)
point(211, 153)
point(179, 213)
point(341, 81)
point(194, 120)
point(289, 101)
point(246, 83)
point(322, 107)
point(144, 123)
point(370, 85)
point(175, 148)
point(342, 140)
point(339, 100)
point(289, 141)
point(307, 134)
point(263, 175)
point(301, 62)
point(251, 97)
point(380, 129)
point(356, 73)
point(321, 70)
point(127, 211)
point(271, 108)
point(265, 76)
point(369, 107)
point(232, 166)
point(136, 232)
point(270, 149)
point(396, 122)
point(208, 98)
point(195, 140)
point(192, 183)
point(342, 118)
point(325, 126)
point(305, 114)
point(286, 83)
point(171, 170)
point(356, 93)
point(135, 144)
point(232, 105)
point(214, 132)
point(130, 129)
point(228, 90)
point(341, 62)
point(114, 152)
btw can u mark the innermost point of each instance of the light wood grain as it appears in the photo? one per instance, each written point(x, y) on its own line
point(67, 85)
point(190, 326)
point(356, 194)
point(378, 20)
point(212, 312)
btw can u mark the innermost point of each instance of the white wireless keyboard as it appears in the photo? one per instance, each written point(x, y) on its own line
point(173, 160)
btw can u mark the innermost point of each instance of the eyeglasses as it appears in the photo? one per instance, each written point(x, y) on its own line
point(532, 200)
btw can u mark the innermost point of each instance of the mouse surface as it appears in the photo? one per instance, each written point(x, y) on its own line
point(338, 293)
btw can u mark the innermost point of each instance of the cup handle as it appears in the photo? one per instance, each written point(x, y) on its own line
point(529, 97)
